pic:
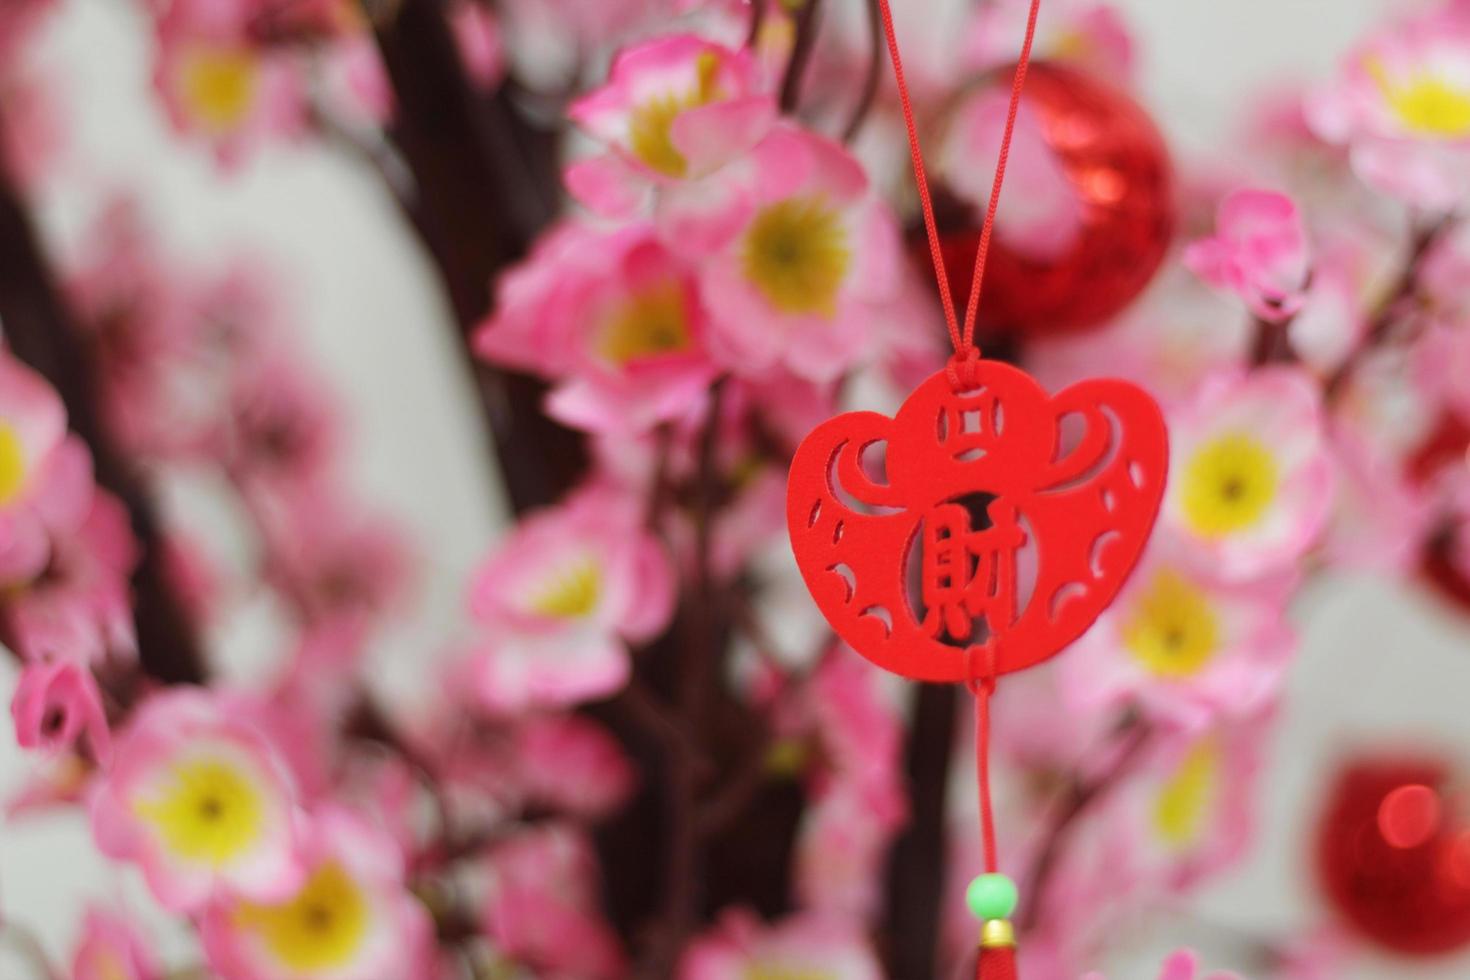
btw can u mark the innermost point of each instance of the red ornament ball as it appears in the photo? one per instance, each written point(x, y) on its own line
point(1393, 855)
point(1097, 143)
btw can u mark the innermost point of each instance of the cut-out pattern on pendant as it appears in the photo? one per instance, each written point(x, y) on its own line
point(995, 520)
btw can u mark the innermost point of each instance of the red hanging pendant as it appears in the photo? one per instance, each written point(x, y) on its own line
point(994, 528)
point(1006, 523)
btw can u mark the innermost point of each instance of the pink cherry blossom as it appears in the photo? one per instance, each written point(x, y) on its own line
point(219, 85)
point(111, 948)
point(57, 703)
point(1186, 648)
point(1401, 105)
point(562, 598)
point(615, 318)
point(45, 474)
point(281, 431)
point(333, 565)
point(572, 764)
point(1259, 252)
point(740, 946)
point(1250, 480)
point(1189, 812)
point(199, 798)
point(81, 609)
point(802, 280)
point(542, 906)
point(674, 108)
point(352, 918)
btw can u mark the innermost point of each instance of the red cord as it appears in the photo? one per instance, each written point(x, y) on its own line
point(963, 339)
point(982, 682)
point(982, 770)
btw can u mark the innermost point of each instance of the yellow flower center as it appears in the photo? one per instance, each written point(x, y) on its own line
point(1185, 802)
point(650, 127)
point(321, 929)
point(573, 591)
point(788, 757)
point(108, 965)
point(219, 86)
point(209, 812)
point(1229, 485)
point(781, 971)
point(1426, 105)
point(12, 464)
point(647, 324)
point(1171, 628)
point(796, 253)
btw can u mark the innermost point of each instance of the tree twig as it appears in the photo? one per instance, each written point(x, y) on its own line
point(39, 331)
point(871, 77)
point(1080, 795)
point(802, 48)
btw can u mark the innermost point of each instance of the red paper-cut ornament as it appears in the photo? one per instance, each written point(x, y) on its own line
point(1006, 522)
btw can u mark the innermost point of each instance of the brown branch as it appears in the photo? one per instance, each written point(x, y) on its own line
point(1405, 290)
point(871, 77)
point(1080, 796)
point(802, 48)
point(39, 331)
point(916, 865)
point(485, 185)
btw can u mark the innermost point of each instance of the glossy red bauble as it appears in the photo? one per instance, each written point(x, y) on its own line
point(1393, 855)
point(1116, 163)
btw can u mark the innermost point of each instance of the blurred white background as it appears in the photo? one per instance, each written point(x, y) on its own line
point(1377, 659)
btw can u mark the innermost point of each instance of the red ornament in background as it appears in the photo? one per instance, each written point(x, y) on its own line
point(1115, 160)
point(1393, 854)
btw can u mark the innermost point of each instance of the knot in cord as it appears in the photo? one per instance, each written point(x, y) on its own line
point(964, 368)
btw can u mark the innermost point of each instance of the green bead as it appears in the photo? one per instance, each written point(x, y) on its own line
point(991, 897)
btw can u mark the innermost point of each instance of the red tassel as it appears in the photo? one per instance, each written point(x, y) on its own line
point(997, 963)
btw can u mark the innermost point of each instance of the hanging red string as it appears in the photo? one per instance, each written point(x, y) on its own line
point(982, 680)
point(963, 338)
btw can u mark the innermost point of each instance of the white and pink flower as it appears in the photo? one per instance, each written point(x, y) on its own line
point(1191, 810)
point(198, 797)
point(352, 918)
point(45, 473)
point(1183, 647)
point(1259, 252)
point(562, 598)
point(219, 84)
point(615, 318)
point(55, 705)
point(675, 108)
point(81, 609)
point(111, 948)
point(800, 280)
point(1401, 105)
point(542, 906)
point(1250, 482)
